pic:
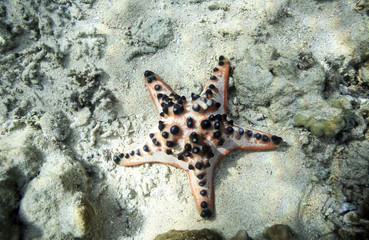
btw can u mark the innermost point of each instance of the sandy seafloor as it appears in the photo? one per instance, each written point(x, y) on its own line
point(72, 94)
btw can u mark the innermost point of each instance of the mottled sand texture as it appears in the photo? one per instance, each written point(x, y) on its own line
point(72, 94)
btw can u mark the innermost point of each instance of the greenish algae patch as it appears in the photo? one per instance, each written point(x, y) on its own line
point(320, 127)
point(328, 125)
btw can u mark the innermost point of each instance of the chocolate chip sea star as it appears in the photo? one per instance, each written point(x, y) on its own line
point(194, 135)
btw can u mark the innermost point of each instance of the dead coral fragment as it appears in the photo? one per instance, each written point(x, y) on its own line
point(83, 215)
point(55, 125)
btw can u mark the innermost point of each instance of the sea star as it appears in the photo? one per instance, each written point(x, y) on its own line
point(195, 135)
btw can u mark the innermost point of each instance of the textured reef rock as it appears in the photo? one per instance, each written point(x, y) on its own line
point(279, 232)
point(59, 189)
point(9, 224)
point(20, 161)
point(241, 235)
point(275, 232)
point(204, 234)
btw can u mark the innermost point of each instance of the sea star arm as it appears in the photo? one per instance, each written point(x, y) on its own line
point(201, 179)
point(201, 183)
point(158, 90)
point(238, 138)
point(153, 149)
point(218, 83)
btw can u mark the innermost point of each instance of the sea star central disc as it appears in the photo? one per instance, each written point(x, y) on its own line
point(194, 135)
